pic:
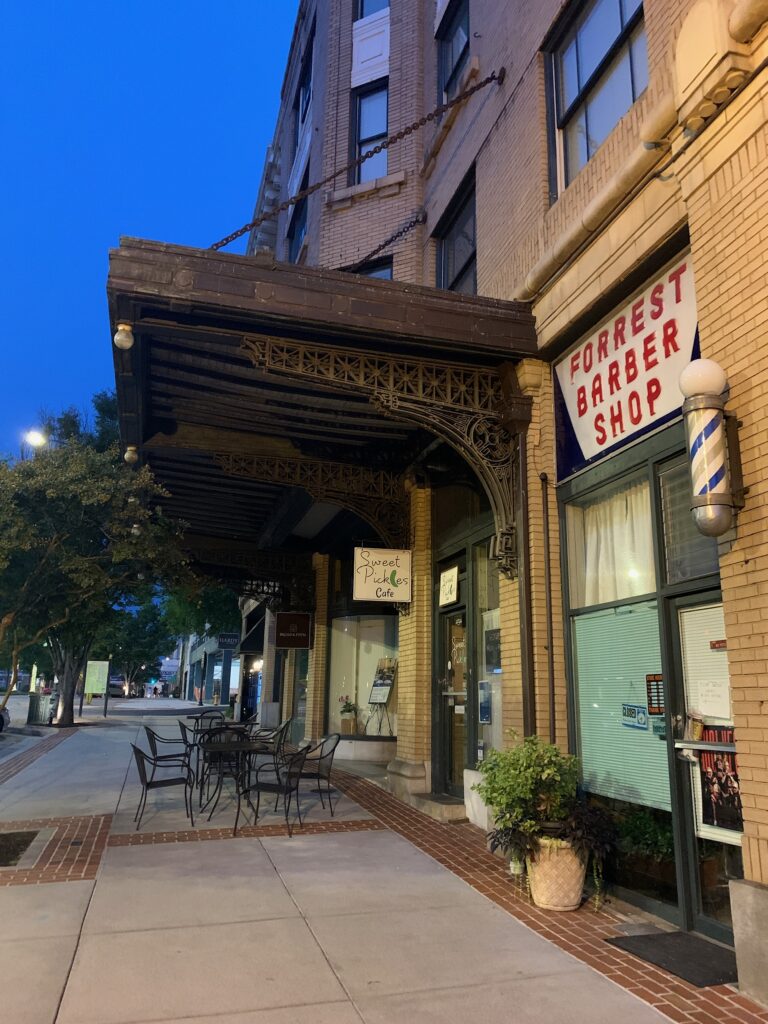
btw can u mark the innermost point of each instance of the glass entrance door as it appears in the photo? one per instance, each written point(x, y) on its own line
point(707, 770)
point(452, 695)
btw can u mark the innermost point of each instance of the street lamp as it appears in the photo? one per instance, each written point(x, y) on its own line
point(123, 338)
point(35, 438)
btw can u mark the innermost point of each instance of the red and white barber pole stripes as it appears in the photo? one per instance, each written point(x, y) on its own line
point(703, 383)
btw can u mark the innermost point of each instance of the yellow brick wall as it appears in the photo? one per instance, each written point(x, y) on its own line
point(725, 185)
point(347, 233)
point(318, 656)
point(290, 668)
point(414, 671)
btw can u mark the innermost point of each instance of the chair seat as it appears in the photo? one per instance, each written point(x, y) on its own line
point(314, 775)
point(161, 783)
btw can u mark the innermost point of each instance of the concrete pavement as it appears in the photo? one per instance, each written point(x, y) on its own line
point(339, 927)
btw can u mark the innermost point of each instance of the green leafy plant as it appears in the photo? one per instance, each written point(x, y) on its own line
point(348, 707)
point(643, 834)
point(532, 791)
point(532, 781)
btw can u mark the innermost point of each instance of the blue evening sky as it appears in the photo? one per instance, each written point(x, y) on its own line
point(117, 118)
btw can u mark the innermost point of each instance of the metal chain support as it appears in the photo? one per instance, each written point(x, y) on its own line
point(443, 108)
point(420, 218)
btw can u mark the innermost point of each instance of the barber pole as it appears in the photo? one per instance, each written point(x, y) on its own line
point(702, 383)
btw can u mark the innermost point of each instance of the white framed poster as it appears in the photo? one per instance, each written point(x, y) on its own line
point(449, 586)
point(382, 574)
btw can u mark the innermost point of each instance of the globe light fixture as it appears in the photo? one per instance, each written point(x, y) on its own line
point(35, 438)
point(131, 454)
point(123, 338)
point(712, 448)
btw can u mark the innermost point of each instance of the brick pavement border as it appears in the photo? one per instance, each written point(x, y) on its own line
point(72, 854)
point(13, 765)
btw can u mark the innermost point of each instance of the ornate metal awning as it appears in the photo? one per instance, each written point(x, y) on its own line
point(253, 383)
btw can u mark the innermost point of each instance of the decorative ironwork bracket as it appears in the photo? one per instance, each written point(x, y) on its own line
point(376, 496)
point(282, 579)
point(478, 410)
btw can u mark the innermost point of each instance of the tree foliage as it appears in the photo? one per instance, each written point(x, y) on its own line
point(99, 430)
point(135, 639)
point(80, 536)
point(204, 610)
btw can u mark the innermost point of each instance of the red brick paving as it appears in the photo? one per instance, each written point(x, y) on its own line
point(73, 853)
point(310, 828)
point(13, 765)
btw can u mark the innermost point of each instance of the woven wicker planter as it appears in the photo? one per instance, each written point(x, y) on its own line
point(556, 876)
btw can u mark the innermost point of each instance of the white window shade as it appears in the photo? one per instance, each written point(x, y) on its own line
point(370, 48)
point(614, 651)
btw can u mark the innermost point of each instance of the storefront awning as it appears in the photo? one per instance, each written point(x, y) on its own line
point(253, 641)
point(252, 385)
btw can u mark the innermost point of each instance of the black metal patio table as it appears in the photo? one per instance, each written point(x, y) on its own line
point(242, 750)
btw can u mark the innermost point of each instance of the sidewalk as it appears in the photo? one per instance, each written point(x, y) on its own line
point(378, 915)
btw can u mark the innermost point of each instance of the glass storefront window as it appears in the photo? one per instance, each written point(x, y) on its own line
point(488, 646)
point(610, 545)
point(623, 753)
point(360, 644)
point(688, 553)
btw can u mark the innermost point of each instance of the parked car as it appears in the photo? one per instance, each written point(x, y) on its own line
point(116, 689)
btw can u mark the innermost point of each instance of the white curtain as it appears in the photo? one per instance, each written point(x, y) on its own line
point(610, 546)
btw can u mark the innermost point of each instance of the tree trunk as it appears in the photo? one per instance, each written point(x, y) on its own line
point(68, 665)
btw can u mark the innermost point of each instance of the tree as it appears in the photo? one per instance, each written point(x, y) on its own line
point(205, 610)
point(80, 537)
point(135, 639)
point(100, 431)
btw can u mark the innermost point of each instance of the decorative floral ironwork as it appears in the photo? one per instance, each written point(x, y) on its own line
point(376, 496)
point(461, 404)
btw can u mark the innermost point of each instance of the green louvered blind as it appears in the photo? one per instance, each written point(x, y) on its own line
point(614, 651)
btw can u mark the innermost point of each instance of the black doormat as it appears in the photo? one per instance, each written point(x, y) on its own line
point(13, 845)
point(687, 956)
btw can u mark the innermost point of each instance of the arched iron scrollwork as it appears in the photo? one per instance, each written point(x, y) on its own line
point(469, 407)
point(376, 496)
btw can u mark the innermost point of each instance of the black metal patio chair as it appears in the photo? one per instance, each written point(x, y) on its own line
point(318, 766)
point(281, 779)
point(207, 720)
point(175, 759)
point(148, 782)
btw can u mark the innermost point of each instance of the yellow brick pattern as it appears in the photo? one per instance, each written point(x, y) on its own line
point(290, 668)
point(414, 671)
point(318, 656)
point(729, 237)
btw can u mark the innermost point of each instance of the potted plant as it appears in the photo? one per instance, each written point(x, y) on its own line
point(532, 790)
point(348, 716)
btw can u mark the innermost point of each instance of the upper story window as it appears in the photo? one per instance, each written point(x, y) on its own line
point(367, 7)
point(297, 229)
point(599, 68)
point(453, 47)
point(457, 245)
point(372, 117)
point(303, 98)
point(381, 268)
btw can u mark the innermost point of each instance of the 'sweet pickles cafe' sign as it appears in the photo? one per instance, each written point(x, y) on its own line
point(382, 574)
point(621, 380)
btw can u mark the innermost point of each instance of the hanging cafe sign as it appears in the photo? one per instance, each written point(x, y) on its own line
point(621, 381)
point(382, 574)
